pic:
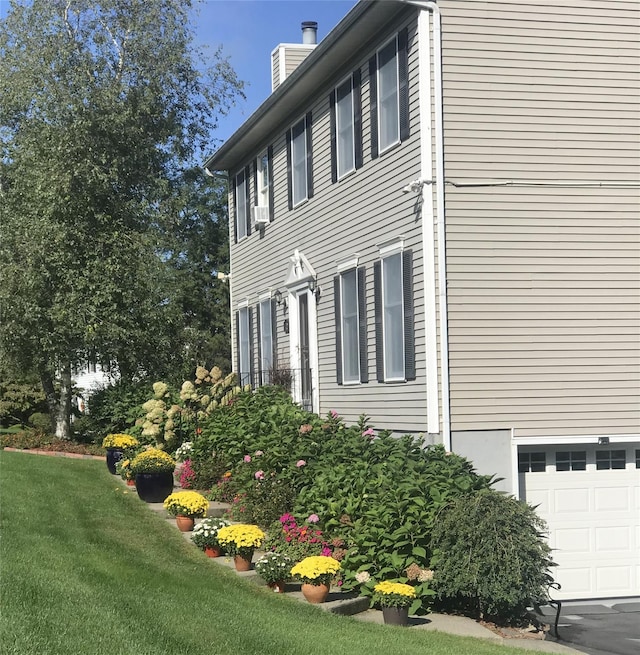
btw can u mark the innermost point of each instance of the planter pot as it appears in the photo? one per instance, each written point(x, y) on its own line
point(113, 455)
point(277, 587)
point(242, 563)
point(213, 551)
point(185, 523)
point(315, 593)
point(154, 487)
point(131, 483)
point(396, 615)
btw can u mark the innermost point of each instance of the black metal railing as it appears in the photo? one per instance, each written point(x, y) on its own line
point(298, 381)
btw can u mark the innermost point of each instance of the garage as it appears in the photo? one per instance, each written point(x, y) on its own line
point(589, 495)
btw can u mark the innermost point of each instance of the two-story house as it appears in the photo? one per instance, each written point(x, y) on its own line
point(435, 221)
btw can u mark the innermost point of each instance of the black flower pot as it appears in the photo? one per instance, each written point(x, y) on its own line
point(113, 455)
point(396, 615)
point(154, 487)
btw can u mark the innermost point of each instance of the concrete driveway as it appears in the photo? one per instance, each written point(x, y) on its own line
point(602, 627)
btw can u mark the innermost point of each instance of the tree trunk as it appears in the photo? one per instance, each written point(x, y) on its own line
point(59, 404)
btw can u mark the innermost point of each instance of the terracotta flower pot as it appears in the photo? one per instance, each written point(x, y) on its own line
point(278, 587)
point(315, 593)
point(131, 483)
point(242, 563)
point(396, 615)
point(185, 523)
point(212, 551)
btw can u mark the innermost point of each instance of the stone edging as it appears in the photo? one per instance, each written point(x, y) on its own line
point(53, 453)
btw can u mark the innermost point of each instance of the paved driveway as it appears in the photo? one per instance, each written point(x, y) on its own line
point(611, 629)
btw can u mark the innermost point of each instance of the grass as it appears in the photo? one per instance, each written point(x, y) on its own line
point(87, 569)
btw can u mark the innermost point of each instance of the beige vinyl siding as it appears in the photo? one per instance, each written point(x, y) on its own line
point(543, 281)
point(294, 56)
point(275, 69)
point(351, 217)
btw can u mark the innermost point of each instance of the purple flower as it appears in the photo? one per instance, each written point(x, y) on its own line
point(247, 458)
point(259, 475)
point(313, 518)
point(300, 463)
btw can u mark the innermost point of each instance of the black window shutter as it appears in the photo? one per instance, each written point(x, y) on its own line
point(373, 101)
point(247, 190)
point(403, 83)
point(261, 376)
point(334, 150)
point(255, 182)
point(307, 129)
point(362, 327)
point(235, 209)
point(270, 172)
point(357, 117)
point(409, 333)
point(274, 332)
point(251, 381)
point(377, 299)
point(239, 372)
point(336, 303)
point(289, 176)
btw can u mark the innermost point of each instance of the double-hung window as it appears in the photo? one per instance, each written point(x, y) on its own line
point(351, 326)
point(242, 204)
point(393, 291)
point(346, 127)
point(299, 162)
point(388, 81)
point(243, 334)
point(263, 186)
point(266, 338)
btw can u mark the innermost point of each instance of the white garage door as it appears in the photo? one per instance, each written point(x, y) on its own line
point(590, 497)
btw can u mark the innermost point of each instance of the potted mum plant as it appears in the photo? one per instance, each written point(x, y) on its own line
point(153, 471)
point(186, 506)
point(240, 541)
point(123, 469)
point(275, 570)
point(116, 445)
point(315, 573)
point(394, 598)
point(205, 536)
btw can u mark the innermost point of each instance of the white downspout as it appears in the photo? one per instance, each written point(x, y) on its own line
point(432, 7)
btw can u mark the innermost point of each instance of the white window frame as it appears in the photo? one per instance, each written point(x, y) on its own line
point(265, 301)
point(262, 171)
point(241, 204)
point(244, 338)
point(355, 379)
point(349, 98)
point(392, 249)
point(302, 137)
point(384, 148)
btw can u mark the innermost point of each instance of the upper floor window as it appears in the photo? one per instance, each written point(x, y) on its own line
point(299, 162)
point(351, 326)
point(242, 203)
point(346, 127)
point(263, 187)
point(393, 291)
point(388, 80)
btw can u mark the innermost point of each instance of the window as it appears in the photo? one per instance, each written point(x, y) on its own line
point(299, 162)
point(388, 82)
point(638, 459)
point(351, 326)
point(574, 460)
point(263, 181)
point(266, 338)
point(393, 290)
point(241, 203)
point(532, 462)
point(243, 332)
point(346, 127)
point(610, 459)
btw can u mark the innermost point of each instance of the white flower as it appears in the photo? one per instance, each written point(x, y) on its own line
point(362, 577)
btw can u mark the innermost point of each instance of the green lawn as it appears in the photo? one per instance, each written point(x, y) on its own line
point(86, 568)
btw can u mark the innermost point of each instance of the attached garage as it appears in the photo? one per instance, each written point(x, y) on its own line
point(589, 495)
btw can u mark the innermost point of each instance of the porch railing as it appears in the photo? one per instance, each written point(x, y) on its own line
point(298, 381)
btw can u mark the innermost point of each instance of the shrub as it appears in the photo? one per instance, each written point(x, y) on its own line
point(490, 558)
point(266, 500)
point(40, 422)
point(115, 408)
point(207, 472)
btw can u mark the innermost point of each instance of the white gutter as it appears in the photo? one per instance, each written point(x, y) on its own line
point(433, 8)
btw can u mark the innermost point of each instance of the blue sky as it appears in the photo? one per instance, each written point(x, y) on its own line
point(248, 30)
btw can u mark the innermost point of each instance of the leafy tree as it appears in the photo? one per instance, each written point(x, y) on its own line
point(102, 114)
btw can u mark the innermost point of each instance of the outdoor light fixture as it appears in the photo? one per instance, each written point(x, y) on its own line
point(603, 441)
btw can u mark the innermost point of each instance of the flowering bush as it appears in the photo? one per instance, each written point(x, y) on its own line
point(183, 453)
point(187, 475)
point(393, 594)
point(297, 541)
point(152, 461)
point(120, 441)
point(186, 503)
point(240, 539)
point(316, 569)
point(274, 567)
point(205, 534)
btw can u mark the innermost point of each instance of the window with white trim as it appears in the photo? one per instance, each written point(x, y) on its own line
point(241, 197)
point(266, 338)
point(299, 162)
point(388, 95)
point(243, 318)
point(262, 180)
point(345, 129)
point(532, 462)
point(610, 459)
point(571, 460)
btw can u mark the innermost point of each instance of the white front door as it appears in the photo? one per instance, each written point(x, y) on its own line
point(590, 497)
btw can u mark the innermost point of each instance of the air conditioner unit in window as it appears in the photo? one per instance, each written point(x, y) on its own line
point(260, 215)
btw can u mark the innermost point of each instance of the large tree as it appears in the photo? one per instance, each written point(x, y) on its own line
point(103, 113)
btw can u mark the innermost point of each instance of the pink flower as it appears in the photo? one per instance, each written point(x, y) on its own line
point(369, 433)
point(326, 551)
point(314, 518)
point(333, 413)
point(259, 475)
point(247, 458)
point(300, 463)
point(285, 518)
point(258, 453)
point(306, 428)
